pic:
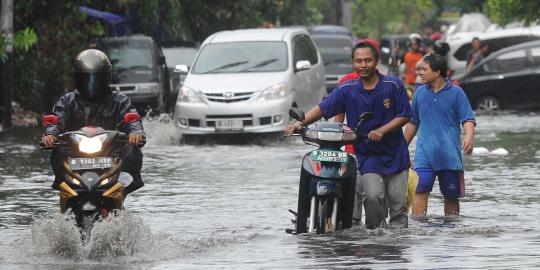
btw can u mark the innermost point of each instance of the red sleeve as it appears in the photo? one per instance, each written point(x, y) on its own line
point(350, 76)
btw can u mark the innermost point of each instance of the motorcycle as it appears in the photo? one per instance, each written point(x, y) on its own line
point(93, 183)
point(328, 177)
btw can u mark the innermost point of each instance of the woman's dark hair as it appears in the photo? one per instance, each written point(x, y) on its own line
point(436, 63)
point(364, 44)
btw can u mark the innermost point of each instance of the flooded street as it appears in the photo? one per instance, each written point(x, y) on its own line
point(225, 206)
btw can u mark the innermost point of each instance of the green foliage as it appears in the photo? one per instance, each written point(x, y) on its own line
point(505, 11)
point(397, 16)
point(25, 39)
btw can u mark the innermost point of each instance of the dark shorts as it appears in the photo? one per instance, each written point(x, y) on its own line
point(451, 182)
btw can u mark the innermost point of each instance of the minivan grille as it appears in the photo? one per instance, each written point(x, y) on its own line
point(228, 96)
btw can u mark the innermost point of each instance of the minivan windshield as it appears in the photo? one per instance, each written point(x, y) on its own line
point(336, 53)
point(132, 61)
point(239, 57)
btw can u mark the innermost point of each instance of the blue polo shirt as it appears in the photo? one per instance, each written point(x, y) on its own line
point(387, 101)
point(438, 117)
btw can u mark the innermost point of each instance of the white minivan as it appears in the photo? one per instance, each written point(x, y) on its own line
point(245, 81)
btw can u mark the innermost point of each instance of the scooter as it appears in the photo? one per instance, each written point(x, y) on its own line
point(328, 177)
point(92, 160)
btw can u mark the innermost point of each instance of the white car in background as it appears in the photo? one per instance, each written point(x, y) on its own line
point(245, 81)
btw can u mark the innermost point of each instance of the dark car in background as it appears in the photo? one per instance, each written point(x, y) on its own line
point(507, 79)
point(178, 53)
point(139, 71)
point(335, 44)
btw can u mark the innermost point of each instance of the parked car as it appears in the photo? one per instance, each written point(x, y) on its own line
point(496, 40)
point(245, 81)
point(336, 50)
point(139, 71)
point(178, 53)
point(507, 79)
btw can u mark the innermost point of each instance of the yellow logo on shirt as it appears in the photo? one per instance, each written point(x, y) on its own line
point(386, 103)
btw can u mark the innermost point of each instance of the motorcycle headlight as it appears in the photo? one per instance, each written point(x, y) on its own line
point(90, 145)
point(189, 95)
point(311, 134)
point(273, 92)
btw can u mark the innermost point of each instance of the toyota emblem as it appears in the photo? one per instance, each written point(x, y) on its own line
point(228, 94)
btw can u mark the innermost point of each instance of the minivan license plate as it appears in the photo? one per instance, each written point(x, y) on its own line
point(329, 156)
point(229, 124)
point(90, 163)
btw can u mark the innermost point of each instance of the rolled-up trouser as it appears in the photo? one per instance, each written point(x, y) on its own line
point(380, 193)
point(132, 164)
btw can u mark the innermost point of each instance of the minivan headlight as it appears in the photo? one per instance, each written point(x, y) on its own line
point(273, 92)
point(189, 95)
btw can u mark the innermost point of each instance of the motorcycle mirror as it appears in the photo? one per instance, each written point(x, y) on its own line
point(365, 116)
point(49, 119)
point(131, 117)
point(297, 114)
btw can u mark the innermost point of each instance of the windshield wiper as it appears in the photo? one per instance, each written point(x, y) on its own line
point(229, 65)
point(261, 64)
point(336, 61)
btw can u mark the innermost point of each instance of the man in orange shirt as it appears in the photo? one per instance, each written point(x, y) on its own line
point(410, 59)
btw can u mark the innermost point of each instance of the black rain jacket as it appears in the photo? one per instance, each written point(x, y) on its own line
point(74, 112)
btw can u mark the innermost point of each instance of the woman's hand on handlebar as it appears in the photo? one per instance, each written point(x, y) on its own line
point(48, 141)
point(292, 128)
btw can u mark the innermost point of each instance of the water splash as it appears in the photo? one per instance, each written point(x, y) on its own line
point(161, 130)
point(57, 236)
point(122, 234)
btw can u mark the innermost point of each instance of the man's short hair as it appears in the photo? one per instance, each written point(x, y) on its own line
point(437, 63)
point(475, 38)
point(366, 44)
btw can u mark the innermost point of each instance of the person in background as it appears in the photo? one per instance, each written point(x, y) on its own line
point(410, 59)
point(438, 110)
point(478, 57)
point(475, 47)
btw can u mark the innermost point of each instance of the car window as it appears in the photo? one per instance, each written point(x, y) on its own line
point(312, 51)
point(239, 57)
point(494, 44)
point(132, 61)
point(179, 56)
point(301, 51)
point(507, 62)
point(535, 53)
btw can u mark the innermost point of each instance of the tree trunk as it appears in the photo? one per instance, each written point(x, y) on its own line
point(6, 29)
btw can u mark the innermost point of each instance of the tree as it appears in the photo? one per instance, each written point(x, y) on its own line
point(505, 11)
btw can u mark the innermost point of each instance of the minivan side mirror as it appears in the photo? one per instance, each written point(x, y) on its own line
point(162, 60)
point(302, 65)
point(182, 69)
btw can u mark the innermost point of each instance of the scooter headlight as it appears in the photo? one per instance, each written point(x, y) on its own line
point(330, 136)
point(349, 136)
point(90, 145)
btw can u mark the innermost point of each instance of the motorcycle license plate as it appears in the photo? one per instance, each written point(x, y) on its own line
point(229, 124)
point(90, 163)
point(329, 156)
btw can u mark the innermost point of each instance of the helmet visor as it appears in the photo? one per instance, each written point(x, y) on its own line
point(92, 85)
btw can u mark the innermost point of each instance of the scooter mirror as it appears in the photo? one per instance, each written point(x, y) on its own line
point(131, 117)
point(297, 114)
point(49, 119)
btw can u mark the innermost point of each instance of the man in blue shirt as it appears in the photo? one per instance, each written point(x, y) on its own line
point(438, 108)
point(383, 159)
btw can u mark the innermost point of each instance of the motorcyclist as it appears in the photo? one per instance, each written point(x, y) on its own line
point(93, 103)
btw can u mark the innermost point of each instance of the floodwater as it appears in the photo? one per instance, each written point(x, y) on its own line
point(224, 206)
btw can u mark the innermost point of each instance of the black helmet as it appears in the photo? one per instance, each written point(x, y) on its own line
point(92, 72)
